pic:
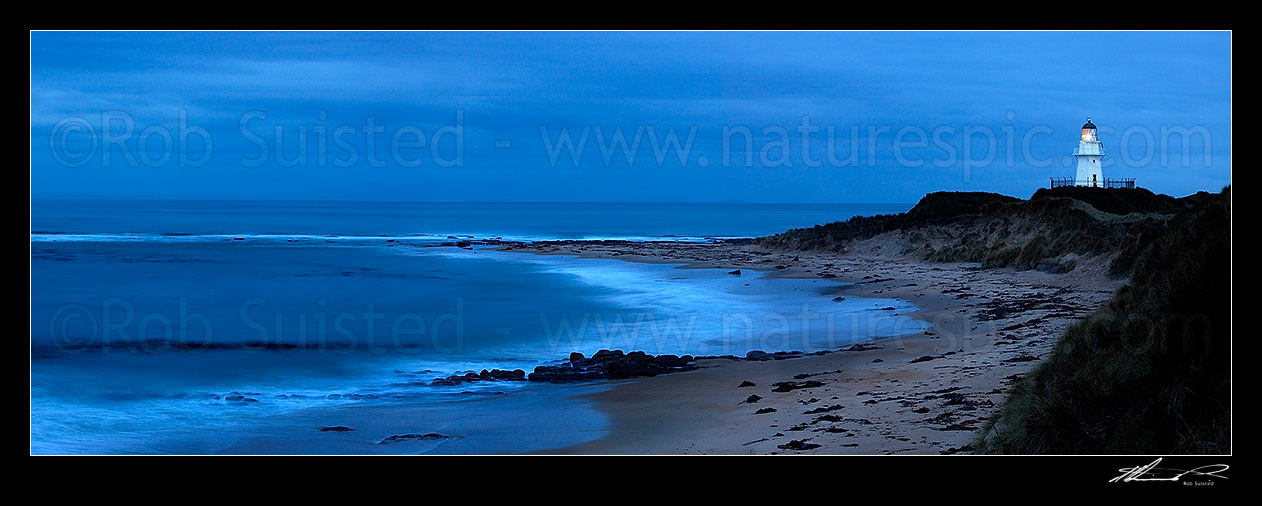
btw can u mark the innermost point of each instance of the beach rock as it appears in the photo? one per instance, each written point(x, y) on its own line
point(607, 355)
point(764, 411)
point(485, 375)
point(611, 364)
point(924, 358)
point(764, 356)
point(752, 399)
point(336, 428)
point(746, 383)
point(789, 386)
point(838, 299)
point(736, 272)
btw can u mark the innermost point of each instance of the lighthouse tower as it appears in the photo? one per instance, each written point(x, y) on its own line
point(1089, 153)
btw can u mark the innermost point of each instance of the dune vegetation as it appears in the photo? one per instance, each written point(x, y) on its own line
point(1150, 372)
point(1050, 231)
point(1147, 373)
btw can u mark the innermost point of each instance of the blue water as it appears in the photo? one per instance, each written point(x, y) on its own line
point(149, 317)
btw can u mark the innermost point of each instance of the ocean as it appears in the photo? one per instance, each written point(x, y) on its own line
point(189, 327)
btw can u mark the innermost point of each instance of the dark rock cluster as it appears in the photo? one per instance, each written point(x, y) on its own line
point(485, 375)
point(762, 356)
point(615, 364)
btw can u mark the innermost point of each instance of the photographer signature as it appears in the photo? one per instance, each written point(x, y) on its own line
point(1151, 472)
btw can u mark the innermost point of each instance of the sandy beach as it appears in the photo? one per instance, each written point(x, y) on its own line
point(921, 394)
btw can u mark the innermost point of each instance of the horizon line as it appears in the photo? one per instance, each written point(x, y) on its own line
point(160, 199)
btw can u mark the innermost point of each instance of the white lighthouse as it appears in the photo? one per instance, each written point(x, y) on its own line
point(1089, 153)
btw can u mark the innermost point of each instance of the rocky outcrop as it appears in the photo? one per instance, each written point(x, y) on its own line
point(762, 356)
point(485, 375)
point(615, 364)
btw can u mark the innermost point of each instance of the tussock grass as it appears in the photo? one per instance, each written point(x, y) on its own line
point(1001, 231)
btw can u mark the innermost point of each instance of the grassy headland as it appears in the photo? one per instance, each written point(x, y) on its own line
point(1147, 373)
point(1050, 231)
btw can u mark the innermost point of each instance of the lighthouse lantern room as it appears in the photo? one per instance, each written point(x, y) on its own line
point(1089, 153)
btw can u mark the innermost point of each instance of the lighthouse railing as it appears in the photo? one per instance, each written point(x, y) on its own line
point(1127, 182)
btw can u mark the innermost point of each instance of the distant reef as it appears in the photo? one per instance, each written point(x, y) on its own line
point(1051, 231)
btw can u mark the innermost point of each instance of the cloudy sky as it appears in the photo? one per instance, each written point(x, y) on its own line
point(474, 116)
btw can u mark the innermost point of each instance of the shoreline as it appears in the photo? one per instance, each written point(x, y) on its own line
point(924, 393)
point(568, 401)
